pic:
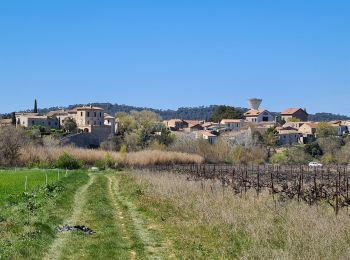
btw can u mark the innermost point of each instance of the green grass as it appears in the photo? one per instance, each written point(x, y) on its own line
point(13, 181)
point(99, 214)
point(28, 219)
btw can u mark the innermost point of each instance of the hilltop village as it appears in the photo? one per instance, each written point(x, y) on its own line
point(291, 126)
point(93, 125)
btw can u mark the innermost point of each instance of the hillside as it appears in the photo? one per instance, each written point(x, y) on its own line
point(190, 113)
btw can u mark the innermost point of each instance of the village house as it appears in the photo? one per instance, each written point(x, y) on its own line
point(295, 125)
point(193, 127)
point(63, 114)
point(288, 136)
point(175, 124)
point(308, 128)
point(29, 120)
point(93, 124)
point(340, 127)
point(232, 124)
point(111, 121)
point(294, 113)
point(259, 115)
point(211, 138)
point(256, 115)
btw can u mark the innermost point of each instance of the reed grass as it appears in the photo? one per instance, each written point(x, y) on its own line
point(90, 157)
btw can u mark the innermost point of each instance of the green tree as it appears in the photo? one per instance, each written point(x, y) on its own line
point(140, 129)
point(226, 112)
point(294, 119)
point(313, 149)
point(325, 129)
point(69, 125)
point(13, 118)
point(270, 137)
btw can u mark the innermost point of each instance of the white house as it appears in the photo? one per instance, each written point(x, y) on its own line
point(258, 115)
point(232, 124)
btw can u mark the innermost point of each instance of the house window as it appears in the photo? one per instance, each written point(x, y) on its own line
point(94, 114)
point(100, 114)
point(88, 113)
point(81, 113)
point(108, 121)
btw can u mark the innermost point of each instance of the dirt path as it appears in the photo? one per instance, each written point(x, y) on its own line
point(136, 228)
point(100, 204)
point(55, 249)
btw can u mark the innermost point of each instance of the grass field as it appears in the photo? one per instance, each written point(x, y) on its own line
point(151, 215)
point(13, 181)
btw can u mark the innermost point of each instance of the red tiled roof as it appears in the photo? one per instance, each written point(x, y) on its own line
point(291, 111)
point(193, 122)
point(254, 112)
point(208, 134)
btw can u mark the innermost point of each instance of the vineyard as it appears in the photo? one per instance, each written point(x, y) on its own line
point(303, 183)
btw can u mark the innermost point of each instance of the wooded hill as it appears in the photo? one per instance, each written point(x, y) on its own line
point(190, 113)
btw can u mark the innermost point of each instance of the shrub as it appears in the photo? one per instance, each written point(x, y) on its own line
point(66, 161)
point(280, 158)
point(107, 162)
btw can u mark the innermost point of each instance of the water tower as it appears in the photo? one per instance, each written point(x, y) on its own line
point(254, 103)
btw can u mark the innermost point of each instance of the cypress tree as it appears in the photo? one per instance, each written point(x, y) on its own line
point(35, 106)
point(13, 118)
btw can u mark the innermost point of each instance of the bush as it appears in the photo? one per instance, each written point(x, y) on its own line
point(280, 158)
point(106, 163)
point(66, 161)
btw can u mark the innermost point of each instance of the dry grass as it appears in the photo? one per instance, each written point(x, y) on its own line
point(202, 213)
point(149, 157)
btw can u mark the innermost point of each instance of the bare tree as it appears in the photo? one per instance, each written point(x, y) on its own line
point(11, 140)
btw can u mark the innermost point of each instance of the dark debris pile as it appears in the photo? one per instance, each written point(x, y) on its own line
point(84, 229)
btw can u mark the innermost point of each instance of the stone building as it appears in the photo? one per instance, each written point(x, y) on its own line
point(29, 120)
point(294, 113)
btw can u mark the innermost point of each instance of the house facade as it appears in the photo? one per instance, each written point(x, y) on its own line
point(29, 120)
point(206, 135)
point(289, 136)
point(294, 113)
point(258, 115)
point(175, 124)
point(232, 124)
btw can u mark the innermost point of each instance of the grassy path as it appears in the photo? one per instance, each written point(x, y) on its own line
point(145, 243)
point(79, 202)
point(121, 231)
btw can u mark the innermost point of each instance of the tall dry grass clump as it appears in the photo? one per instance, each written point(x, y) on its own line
point(90, 157)
point(248, 227)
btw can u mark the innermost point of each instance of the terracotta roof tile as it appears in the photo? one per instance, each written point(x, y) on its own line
point(291, 111)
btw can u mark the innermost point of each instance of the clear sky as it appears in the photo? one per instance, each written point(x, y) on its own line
point(173, 53)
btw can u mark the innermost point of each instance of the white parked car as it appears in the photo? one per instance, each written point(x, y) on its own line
point(315, 164)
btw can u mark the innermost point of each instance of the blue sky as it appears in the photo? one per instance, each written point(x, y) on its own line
point(168, 54)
